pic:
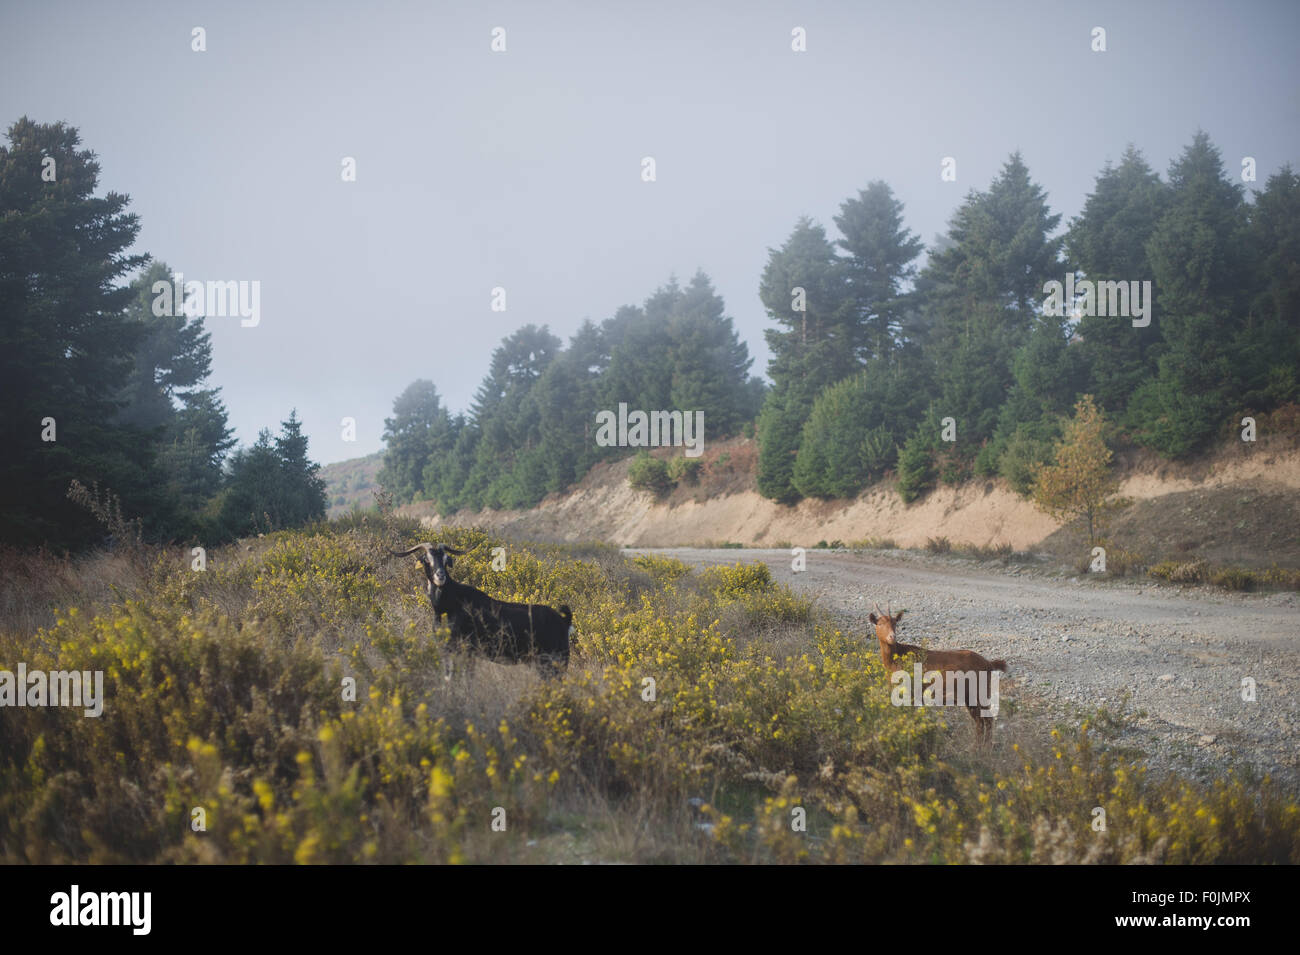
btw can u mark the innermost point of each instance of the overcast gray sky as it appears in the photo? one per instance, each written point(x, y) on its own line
point(522, 169)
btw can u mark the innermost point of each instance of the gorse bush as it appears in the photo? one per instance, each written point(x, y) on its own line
point(296, 695)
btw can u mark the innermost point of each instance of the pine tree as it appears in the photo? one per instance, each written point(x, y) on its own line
point(811, 348)
point(710, 363)
point(1201, 276)
point(419, 433)
point(1107, 243)
point(880, 255)
point(985, 287)
point(303, 491)
point(1266, 371)
point(65, 342)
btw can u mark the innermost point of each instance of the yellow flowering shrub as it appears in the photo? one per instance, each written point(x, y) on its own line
point(294, 703)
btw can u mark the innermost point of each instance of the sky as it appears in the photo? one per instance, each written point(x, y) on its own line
point(522, 169)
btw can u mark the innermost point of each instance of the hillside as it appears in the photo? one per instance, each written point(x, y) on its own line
point(350, 484)
point(1239, 504)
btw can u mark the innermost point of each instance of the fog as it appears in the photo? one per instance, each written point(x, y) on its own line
point(522, 169)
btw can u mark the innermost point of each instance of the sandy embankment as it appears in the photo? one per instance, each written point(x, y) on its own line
point(981, 512)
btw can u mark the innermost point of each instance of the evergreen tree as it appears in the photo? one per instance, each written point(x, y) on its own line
point(811, 348)
point(1107, 243)
point(985, 288)
point(1267, 367)
point(418, 434)
point(273, 484)
point(1201, 275)
point(640, 353)
point(710, 363)
point(303, 490)
point(173, 355)
point(507, 425)
point(66, 344)
point(880, 255)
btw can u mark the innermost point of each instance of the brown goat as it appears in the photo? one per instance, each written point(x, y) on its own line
point(963, 663)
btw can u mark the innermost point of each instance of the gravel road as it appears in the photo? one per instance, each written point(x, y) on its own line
point(1175, 658)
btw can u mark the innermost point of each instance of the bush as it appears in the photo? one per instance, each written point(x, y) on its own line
point(915, 468)
point(223, 691)
point(1234, 578)
point(874, 543)
point(938, 545)
point(1119, 562)
point(1181, 572)
point(649, 474)
point(1020, 460)
point(684, 470)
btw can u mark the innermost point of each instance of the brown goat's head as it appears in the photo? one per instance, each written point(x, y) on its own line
point(885, 623)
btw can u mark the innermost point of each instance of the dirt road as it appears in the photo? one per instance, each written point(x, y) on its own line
point(1174, 657)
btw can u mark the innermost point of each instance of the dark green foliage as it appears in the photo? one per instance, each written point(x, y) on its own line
point(649, 474)
point(916, 471)
point(684, 470)
point(419, 433)
point(779, 427)
point(1266, 370)
point(1199, 267)
point(880, 255)
point(66, 344)
point(710, 363)
point(984, 290)
point(122, 384)
point(532, 428)
point(1107, 242)
point(851, 310)
point(852, 435)
point(273, 484)
point(1028, 447)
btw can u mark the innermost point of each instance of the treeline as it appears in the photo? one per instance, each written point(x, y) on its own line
point(102, 391)
point(935, 373)
point(532, 427)
point(963, 368)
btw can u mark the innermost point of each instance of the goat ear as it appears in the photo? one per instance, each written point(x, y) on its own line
point(899, 616)
point(448, 561)
point(872, 617)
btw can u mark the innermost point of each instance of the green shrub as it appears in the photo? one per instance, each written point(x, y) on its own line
point(649, 474)
point(915, 468)
point(1020, 459)
point(684, 470)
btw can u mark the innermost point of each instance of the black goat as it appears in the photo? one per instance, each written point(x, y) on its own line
point(510, 631)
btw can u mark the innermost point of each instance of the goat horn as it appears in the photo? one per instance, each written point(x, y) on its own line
point(451, 550)
point(426, 547)
point(878, 610)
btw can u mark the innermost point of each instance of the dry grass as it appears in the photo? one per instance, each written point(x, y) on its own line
point(225, 693)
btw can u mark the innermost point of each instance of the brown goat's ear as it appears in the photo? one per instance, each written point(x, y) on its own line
point(872, 617)
point(899, 616)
